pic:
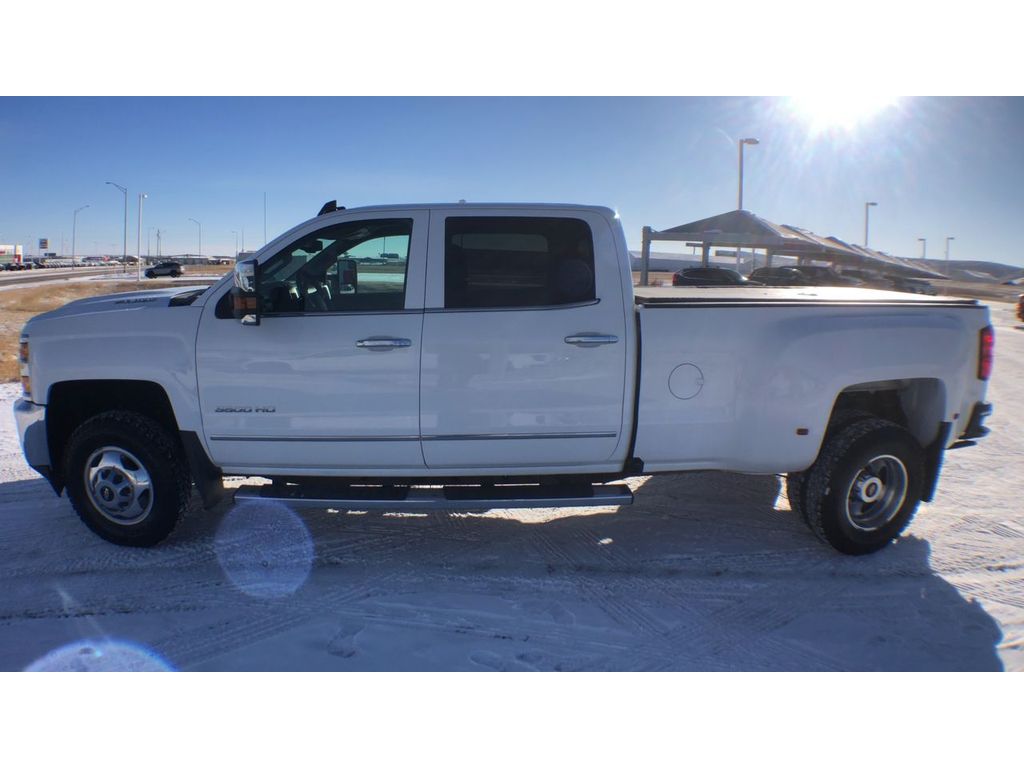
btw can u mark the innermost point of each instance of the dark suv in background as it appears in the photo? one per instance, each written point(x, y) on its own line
point(827, 276)
point(710, 276)
point(780, 276)
point(165, 269)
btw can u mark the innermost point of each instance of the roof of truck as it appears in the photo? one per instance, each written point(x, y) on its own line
point(478, 206)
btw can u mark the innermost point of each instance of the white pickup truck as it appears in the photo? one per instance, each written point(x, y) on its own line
point(475, 356)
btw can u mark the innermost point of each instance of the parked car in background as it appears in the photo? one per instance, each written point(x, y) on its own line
point(869, 278)
point(780, 276)
point(165, 269)
point(710, 276)
point(827, 276)
point(912, 285)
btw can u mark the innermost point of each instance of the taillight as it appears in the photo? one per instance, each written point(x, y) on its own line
point(986, 351)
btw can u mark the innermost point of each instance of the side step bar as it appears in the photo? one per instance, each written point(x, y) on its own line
point(451, 497)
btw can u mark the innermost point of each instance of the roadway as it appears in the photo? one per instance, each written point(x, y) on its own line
point(32, 276)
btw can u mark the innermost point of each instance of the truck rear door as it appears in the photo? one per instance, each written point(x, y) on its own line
point(524, 341)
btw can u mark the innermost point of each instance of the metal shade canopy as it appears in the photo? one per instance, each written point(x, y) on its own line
point(745, 229)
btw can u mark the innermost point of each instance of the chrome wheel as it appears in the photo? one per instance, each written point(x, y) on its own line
point(119, 486)
point(876, 493)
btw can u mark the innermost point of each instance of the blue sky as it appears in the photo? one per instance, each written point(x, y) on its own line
point(936, 166)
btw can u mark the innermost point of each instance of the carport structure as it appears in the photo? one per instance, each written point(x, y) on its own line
point(743, 229)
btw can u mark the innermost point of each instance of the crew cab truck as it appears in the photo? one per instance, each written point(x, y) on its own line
point(475, 356)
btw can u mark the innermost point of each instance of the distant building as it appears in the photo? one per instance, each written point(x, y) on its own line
point(9, 253)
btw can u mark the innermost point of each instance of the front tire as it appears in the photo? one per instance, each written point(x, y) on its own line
point(127, 478)
point(864, 489)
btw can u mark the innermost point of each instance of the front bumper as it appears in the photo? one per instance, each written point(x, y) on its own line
point(31, 420)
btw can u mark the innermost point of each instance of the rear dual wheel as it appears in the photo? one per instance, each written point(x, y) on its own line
point(865, 487)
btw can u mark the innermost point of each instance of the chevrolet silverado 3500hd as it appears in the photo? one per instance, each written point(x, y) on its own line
point(500, 355)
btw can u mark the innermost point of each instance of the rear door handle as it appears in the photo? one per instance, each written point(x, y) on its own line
point(591, 339)
point(383, 344)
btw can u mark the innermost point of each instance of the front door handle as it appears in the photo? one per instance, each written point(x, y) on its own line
point(591, 339)
point(382, 344)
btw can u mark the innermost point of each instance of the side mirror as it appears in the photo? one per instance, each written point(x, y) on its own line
point(245, 298)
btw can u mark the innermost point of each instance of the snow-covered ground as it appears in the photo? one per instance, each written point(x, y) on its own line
point(705, 571)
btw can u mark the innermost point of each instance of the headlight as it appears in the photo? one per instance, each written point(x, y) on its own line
point(26, 381)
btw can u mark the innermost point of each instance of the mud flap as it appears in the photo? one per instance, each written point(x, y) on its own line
point(206, 476)
point(934, 454)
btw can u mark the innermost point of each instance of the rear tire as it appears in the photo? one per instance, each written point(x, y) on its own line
point(864, 488)
point(127, 478)
point(796, 481)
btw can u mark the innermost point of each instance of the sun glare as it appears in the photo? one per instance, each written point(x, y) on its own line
point(838, 111)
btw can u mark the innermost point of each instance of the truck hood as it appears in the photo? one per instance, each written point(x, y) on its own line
point(134, 301)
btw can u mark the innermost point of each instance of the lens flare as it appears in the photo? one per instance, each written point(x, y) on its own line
point(100, 656)
point(839, 111)
point(264, 549)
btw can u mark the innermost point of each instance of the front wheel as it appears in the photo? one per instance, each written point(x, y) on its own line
point(127, 478)
point(864, 488)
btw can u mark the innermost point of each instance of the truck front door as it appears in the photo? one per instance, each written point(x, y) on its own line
point(328, 383)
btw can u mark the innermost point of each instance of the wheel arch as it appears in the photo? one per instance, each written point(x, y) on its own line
point(71, 403)
point(917, 404)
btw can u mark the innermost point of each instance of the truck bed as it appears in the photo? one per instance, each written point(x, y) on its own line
point(785, 296)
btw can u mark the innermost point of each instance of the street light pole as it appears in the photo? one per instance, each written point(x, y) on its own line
point(74, 227)
point(200, 235)
point(138, 239)
point(924, 247)
point(739, 199)
point(124, 244)
point(235, 233)
point(867, 207)
point(947, 248)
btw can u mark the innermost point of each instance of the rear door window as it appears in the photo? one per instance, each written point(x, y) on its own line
point(494, 262)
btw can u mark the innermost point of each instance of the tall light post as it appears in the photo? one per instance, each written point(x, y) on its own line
point(74, 226)
point(200, 235)
point(739, 200)
point(149, 242)
point(138, 239)
point(947, 248)
point(867, 207)
point(236, 243)
point(124, 244)
point(924, 247)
